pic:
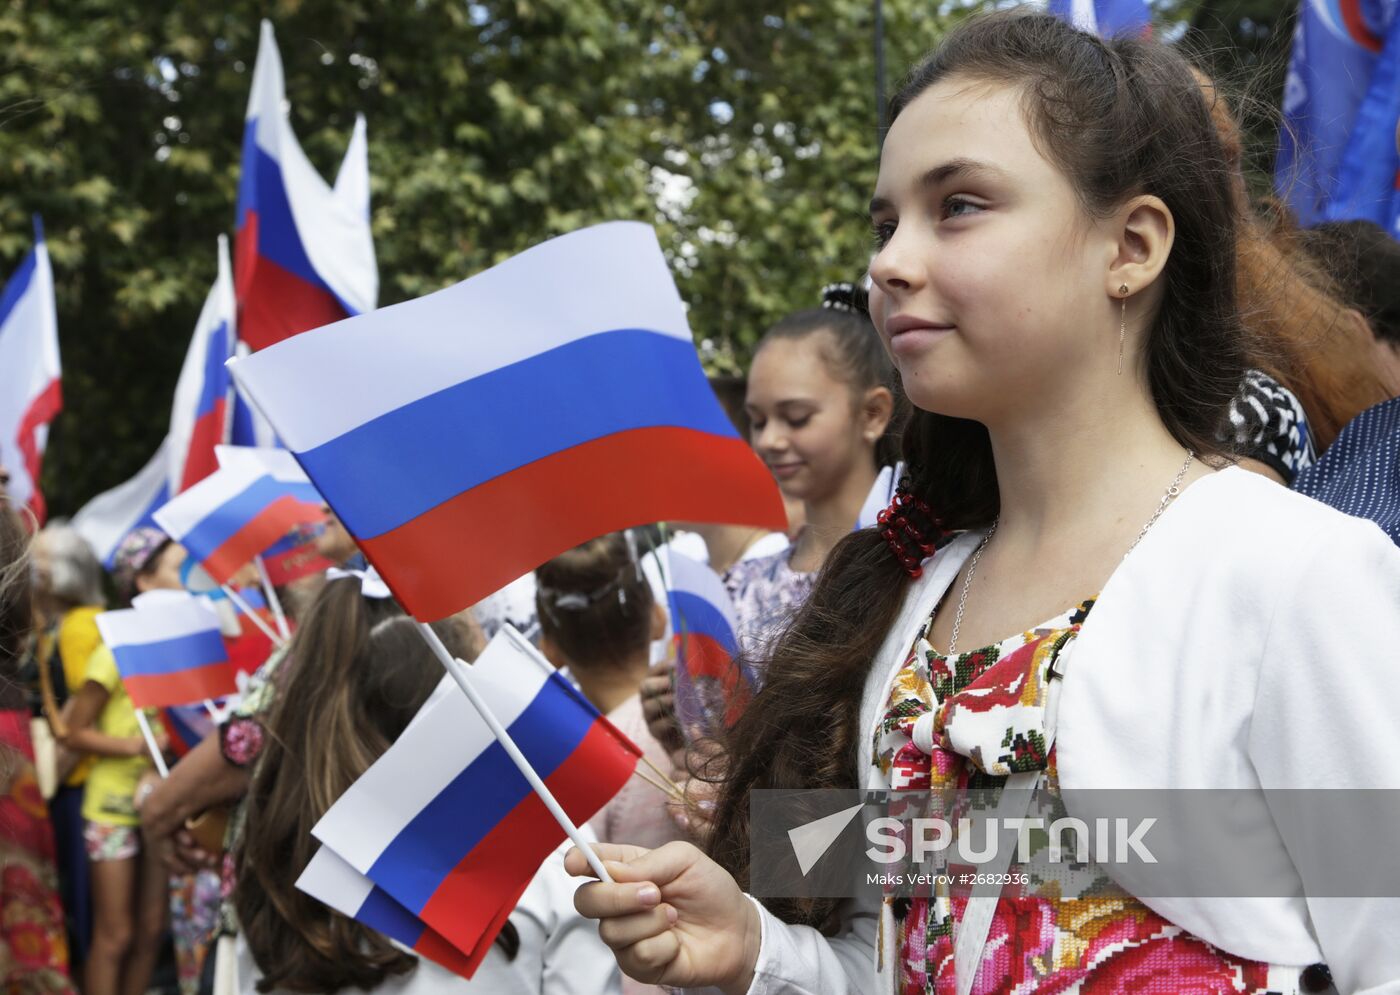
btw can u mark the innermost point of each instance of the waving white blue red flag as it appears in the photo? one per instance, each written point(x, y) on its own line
point(234, 514)
point(305, 255)
point(168, 652)
point(199, 417)
point(468, 436)
point(1336, 63)
point(712, 689)
point(445, 824)
point(331, 880)
point(30, 396)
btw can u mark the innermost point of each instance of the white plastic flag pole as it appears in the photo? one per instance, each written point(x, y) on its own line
point(252, 616)
point(151, 743)
point(272, 598)
point(459, 674)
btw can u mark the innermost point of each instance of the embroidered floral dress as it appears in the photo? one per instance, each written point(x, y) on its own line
point(969, 723)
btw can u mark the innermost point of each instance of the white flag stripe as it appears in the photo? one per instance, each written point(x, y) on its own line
point(106, 519)
point(156, 623)
point(607, 277)
point(352, 182)
point(691, 576)
point(329, 879)
point(333, 229)
point(180, 516)
point(279, 464)
point(442, 741)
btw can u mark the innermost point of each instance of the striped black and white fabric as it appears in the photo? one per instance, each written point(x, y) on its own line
point(1360, 472)
point(1267, 423)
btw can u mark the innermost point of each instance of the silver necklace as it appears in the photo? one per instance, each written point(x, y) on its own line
point(1171, 493)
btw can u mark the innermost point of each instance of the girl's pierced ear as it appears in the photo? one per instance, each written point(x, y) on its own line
point(1122, 323)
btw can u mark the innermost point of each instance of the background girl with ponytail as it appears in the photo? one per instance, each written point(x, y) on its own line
point(820, 416)
point(1055, 281)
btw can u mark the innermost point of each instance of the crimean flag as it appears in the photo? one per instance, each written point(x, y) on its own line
point(304, 252)
point(233, 515)
point(200, 415)
point(712, 689)
point(1105, 18)
point(445, 823)
point(30, 396)
point(168, 652)
point(466, 437)
point(331, 880)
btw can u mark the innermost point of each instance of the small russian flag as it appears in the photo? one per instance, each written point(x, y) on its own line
point(447, 825)
point(331, 880)
point(712, 689)
point(466, 437)
point(234, 514)
point(169, 652)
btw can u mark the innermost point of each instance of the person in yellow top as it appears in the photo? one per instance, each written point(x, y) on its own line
point(129, 886)
point(68, 597)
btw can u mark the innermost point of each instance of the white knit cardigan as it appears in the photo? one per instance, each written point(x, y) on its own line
point(1252, 640)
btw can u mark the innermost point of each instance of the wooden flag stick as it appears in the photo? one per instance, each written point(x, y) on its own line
point(665, 778)
point(252, 616)
point(150, 738)
point(668, 792)
point(272, 598)
point(458, 671)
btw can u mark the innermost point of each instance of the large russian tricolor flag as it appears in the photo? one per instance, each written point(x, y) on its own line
point(234, 514)
point(30, 396)
point(200, 415)
point(446, 824)
point(331, 880)
point(305, 255)
point(468, 436)
point(712, 689)
point(168, 652)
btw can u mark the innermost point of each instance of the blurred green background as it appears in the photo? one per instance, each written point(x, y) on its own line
point(745, 131)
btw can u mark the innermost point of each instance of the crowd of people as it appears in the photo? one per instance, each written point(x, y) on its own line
point(1136, 412)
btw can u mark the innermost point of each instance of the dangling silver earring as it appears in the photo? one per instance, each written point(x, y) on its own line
point(1122, 324)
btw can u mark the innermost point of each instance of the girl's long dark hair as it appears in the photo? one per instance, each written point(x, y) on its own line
point(1120, 118)
point(358, 672)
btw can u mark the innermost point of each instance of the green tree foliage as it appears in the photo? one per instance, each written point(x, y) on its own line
point(746, 132)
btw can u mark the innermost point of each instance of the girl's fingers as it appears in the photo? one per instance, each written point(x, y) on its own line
point(597, 900)
point(623, 931)
point(577, 864)
point(647, 960)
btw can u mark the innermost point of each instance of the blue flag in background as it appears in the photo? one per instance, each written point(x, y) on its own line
point(1337, 47)
point(1105, 18)
point(1370, 168)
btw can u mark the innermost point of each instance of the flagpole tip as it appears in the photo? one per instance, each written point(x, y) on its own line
point(38, 228)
